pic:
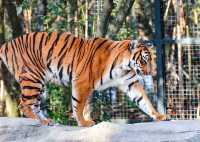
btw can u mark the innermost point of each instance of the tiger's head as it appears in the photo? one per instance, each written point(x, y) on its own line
point(142, 57)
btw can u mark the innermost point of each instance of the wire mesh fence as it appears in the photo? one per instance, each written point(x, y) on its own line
point(183, 97)
point(183, 62)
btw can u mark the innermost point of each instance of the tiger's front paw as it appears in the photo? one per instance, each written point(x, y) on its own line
point(86, 123)
point(161, 117)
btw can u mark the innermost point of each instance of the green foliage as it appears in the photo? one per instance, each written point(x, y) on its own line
point(26, 4)
point(58, 103)
point(127, 31)
point(102, 107)
point(56, 17)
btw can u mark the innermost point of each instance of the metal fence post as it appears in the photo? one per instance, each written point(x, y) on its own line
point(160, 60)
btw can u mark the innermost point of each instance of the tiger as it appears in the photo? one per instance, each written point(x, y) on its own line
point(37, 58)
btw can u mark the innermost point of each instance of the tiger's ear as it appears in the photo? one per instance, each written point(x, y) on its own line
point(149, 44)
point(144, 40)
point(133, 44)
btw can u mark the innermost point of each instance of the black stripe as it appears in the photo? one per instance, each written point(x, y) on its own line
point(61, 73)
point(115, 45)
point(101, 80)
point(6, 52)
point(14, 60)
point(32, 49)
point(31, 87)
point(101, 44)
point(79, 51)
point(75, 99)
point(64, 54)
point(41, 41)
point(139, 57)
point(13, 64)
point(134, 55)
point(69, 72)
point(113, 65)
point(28, 79)
point(89, 54)
point(27, 37)
point(29, 97)
point(50, 52)
point(129, 64)
point(73, 41)
point(52, 46)
point(134, 99)
point(42, 45)
point(39, 53)
point(138, 100)
point(18, 48)
point(48, 66)
point(67, 38)
point(70, 76)
point(36, 72)
point(82, 50)
point(73, 59)
point(21, 43)
point(39, 79)
point(75, 107)
point(30, 55)
point(131, 84)
point(111, 77)
point(60, 61)
point(68, 69)
point(131, 77)
point(122, 45)
point(92, 52)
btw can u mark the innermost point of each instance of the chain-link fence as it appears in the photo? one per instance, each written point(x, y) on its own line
point(183, 59)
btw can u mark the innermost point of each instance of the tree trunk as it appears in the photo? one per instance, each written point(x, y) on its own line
point(144, 17)
point(9, 81)
point(86, 18)
point(2, 103)
point(27, 14)
point(1, 22)
point(72, 17)
point(40, 12)
point(117, 22)
point(14, 19)
point(102, 25)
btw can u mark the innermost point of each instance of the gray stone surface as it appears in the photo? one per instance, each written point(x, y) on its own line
point(27, 130)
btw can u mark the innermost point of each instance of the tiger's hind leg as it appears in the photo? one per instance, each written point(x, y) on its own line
point(30, 101)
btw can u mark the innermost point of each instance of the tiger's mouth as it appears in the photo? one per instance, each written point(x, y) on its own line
point(134, 66)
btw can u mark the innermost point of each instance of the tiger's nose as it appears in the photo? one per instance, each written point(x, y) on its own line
point(138, 71)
